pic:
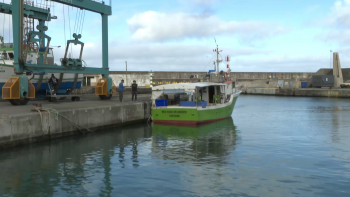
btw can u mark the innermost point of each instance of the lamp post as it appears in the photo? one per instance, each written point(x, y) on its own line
point(330, 59)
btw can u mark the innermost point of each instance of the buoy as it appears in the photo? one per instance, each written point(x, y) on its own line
point(34, 46)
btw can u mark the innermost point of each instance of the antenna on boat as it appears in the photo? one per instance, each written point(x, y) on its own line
point(217, 51)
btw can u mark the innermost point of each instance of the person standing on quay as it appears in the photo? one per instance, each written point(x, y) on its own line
point(121, 90)
point(53, 80)
point(134, 91)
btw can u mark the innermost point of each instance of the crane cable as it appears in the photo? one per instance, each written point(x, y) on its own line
point(9, 30)
point(82, 25)
point(79, 21)
point(3, 28)
point(64, 27)
point(75, 23)
point(70, 32)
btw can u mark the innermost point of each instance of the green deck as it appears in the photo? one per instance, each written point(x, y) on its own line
point(6, 65)
point(192, 114)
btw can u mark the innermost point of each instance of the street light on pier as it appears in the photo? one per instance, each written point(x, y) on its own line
point(330, 59)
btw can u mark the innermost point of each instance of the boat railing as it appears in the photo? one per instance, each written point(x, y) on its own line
point(6, 45)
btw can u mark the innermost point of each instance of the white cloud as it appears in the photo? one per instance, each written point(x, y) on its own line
point(338, 22)
point(200, 3)
point(162, 57)
point(203, 2)
point(340, 14)
point(159, 27)
point(340, 36)
point(5, 26)
point(167, 57)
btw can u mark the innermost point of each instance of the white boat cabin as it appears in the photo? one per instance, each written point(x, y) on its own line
point(192, 94)
point(7, 55)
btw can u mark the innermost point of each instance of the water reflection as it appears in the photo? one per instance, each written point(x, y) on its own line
point(205, 143)
point(90, 165)
point(281, 147)
point(76, 166)
point(329, 116)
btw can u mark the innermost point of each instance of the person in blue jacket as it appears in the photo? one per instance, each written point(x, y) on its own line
point(121, 90)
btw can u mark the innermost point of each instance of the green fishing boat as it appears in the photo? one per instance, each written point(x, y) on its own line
point(211, 100)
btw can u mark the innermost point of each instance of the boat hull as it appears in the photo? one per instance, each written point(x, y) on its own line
point(6, 72)
point(192, 130)
point(187, 122)
point(193, 116)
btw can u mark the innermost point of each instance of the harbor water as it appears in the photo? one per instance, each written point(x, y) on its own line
point(272, 146)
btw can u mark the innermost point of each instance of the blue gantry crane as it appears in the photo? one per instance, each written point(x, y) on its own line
point(18, 89)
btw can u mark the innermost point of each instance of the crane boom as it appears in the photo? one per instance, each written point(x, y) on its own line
point(28, 11)
point(18, 10)
point(90, 5)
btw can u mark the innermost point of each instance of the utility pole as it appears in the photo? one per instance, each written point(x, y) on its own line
point(126, 78)
point(330, 59)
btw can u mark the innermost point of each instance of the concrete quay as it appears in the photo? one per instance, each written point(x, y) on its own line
point(302, 92)
point(20, 125)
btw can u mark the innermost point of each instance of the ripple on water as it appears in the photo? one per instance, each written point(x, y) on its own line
point(272, 146)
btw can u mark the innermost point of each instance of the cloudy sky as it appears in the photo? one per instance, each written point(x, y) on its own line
point(178, 35)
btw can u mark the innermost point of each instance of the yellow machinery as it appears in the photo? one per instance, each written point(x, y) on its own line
point(102, 91)
point(14, 90)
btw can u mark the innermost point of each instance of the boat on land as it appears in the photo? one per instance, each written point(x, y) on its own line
point(208, 101)
point(40, 81)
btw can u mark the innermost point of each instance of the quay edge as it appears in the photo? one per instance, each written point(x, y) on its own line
point(24, 128)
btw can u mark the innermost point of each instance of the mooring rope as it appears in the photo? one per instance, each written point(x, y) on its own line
point(57, 115)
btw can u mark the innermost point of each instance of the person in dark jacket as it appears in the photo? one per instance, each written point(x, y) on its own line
point(53, 80)
point(134, 91)
point(121, 90)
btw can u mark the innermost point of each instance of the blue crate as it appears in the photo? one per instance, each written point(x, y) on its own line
point(211, 71)
point(161, 103)
point(304, 84)
point(202, 103)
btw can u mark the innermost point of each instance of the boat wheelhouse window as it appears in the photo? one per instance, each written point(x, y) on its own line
point(11, 56)
point(211, 93)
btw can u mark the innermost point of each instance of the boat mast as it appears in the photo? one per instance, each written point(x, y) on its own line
point(217, 56)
